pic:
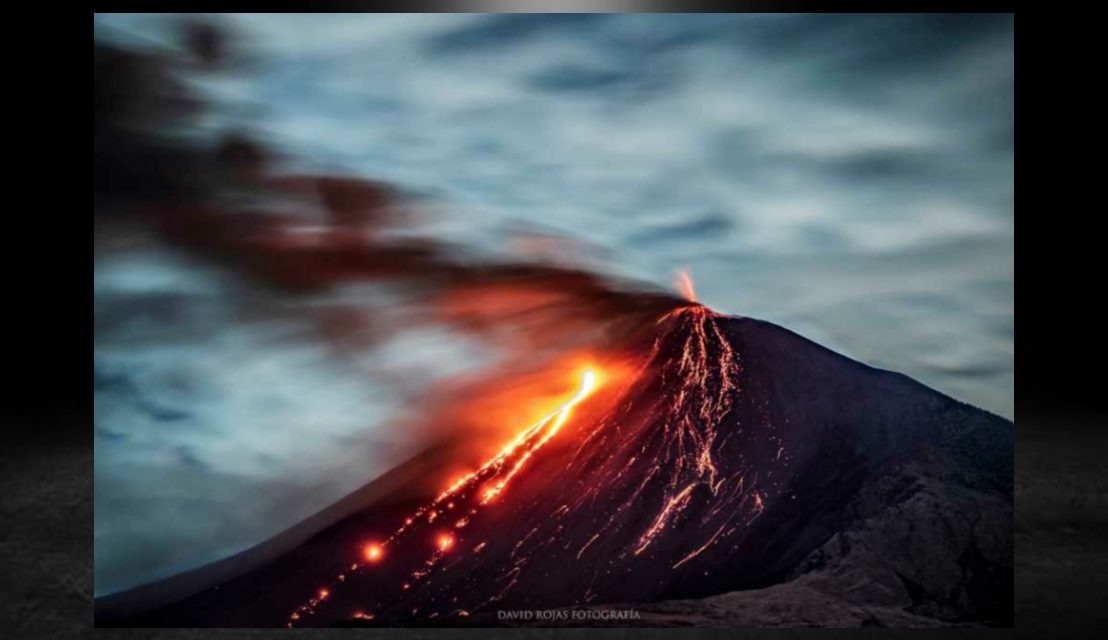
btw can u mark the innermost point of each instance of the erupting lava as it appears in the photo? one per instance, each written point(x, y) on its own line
point(619, 508)
point(662, 480)
point(373, 552)
point(494, 474)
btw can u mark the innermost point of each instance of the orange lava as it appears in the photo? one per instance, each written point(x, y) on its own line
point(548, 426)
point(373, 552)
point(492, 478)
point(702, 375)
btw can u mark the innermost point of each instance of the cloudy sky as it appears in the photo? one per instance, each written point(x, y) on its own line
point(848, 177)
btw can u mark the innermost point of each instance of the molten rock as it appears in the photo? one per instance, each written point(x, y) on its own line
point(743, 477)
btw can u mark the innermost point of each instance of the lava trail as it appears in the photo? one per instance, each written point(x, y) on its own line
point(634, 484)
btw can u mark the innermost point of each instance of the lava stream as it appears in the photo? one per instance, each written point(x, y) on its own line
point(654, 490)
point(497, 471)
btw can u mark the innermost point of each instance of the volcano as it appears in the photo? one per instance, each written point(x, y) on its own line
point(735, 474)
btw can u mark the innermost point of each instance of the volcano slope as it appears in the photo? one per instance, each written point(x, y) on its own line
point(744, 476)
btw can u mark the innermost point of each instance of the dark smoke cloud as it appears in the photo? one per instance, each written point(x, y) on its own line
point(227, 199)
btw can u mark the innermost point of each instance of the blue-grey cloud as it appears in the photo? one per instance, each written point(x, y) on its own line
point(847, 175)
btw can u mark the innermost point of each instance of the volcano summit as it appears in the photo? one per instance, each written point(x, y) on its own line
point(733, 474)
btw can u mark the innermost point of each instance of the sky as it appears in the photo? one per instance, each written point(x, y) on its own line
point(847, 177)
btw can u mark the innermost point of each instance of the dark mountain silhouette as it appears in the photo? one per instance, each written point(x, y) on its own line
point(745, 476)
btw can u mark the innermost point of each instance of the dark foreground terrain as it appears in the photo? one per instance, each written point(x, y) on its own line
point(861, 498)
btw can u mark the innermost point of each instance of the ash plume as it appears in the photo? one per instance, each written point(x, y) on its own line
point(628, 445)
point(227, 198)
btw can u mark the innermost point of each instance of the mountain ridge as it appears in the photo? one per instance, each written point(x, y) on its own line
point(854, 430)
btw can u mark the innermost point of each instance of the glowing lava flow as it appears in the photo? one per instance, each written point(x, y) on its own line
point(657, 489)
point(704, 394)
point(494, 474)
point(555, 422)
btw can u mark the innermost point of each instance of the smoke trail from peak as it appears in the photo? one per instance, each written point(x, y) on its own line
point(227, 198)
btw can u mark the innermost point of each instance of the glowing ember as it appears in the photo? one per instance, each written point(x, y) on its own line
point(456, 483)
point(372, 552)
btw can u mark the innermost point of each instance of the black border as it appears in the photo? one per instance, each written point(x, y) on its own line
point(47, 504)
